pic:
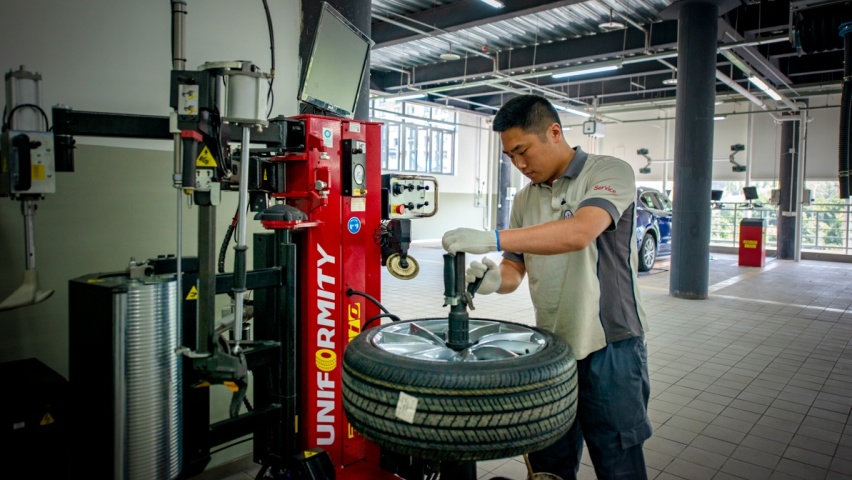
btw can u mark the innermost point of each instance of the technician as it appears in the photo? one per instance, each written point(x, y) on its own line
point(572, 229)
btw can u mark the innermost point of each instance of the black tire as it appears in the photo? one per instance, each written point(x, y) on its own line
point(466, 410)
point(647, 253)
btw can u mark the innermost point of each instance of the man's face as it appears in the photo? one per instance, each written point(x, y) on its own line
point(537, 159)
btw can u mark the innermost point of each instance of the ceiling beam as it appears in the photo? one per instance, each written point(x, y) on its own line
point(456, 16)
point(548, 56)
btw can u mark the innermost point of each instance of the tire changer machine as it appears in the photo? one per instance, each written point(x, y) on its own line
point(316, 282)
point(145, 348)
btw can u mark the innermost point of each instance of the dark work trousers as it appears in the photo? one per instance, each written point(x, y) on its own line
point(612, 416)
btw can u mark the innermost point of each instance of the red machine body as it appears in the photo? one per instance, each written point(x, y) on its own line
point(337, 253)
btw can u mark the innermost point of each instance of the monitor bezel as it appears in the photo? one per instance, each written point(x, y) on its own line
point(329, 12)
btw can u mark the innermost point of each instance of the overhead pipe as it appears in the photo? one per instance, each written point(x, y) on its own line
point(494, 62)
point(541, 73)
point(739, 89)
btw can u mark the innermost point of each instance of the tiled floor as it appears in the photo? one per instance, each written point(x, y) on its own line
point(754, 382)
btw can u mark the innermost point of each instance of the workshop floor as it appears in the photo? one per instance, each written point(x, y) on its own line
point(755, 382)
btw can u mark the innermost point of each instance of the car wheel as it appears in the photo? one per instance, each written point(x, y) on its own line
point(513, 391)
point(647, 253)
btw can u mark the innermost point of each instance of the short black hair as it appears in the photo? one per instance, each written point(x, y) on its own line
point(531, 113)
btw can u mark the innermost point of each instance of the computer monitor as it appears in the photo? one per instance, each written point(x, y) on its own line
point(750, 193)
point(716, 195)
point(339, 55)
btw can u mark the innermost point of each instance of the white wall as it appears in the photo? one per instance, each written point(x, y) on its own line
point(115, 56)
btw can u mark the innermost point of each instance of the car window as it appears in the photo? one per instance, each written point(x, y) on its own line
point(648, 200)
point(665, 203)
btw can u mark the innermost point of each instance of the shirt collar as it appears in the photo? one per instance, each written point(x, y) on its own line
point(575, 166)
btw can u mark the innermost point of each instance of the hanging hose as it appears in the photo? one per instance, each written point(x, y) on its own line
point(845, 136)
point(817, 30)
point(223, 250)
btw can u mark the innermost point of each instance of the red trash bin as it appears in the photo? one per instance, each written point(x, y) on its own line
point(752, 243)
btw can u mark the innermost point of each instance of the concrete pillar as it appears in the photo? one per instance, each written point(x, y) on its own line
point(788, 178)
point(357, 12)
point(693, 158)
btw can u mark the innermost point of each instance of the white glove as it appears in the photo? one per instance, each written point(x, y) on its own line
point(488, 271)
point(470, 240)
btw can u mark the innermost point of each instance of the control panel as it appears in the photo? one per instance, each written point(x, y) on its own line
point(27, 163)
point(409, 196)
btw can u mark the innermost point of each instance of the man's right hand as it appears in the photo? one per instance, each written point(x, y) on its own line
point(488, 271)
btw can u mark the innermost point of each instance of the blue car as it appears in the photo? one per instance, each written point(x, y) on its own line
point(653, 226)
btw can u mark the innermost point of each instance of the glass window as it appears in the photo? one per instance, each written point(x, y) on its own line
point(447, 146)
point(435, 150)
point(443, 115)
point(410, 145)
point(422, 157)
point(413, 141)
point(417, 110)
point(392, 141)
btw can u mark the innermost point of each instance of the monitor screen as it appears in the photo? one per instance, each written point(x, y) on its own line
point(750, 193)
point(716, 195)
point(336, 66)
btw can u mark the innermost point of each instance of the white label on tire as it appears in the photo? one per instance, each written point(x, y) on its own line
point(406, 406)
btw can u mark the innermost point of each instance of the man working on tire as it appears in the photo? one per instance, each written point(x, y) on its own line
point(572, 230)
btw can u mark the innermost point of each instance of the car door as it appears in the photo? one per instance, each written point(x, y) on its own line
point(664, 222)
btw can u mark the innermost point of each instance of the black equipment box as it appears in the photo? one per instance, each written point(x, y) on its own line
point(33, 420)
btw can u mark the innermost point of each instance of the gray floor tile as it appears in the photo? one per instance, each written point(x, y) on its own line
point(800, 470)
point(746, 470)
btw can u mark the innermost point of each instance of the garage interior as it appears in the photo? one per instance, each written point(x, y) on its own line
point(751, 377)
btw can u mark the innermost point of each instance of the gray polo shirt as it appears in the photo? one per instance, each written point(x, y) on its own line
point(589, 297)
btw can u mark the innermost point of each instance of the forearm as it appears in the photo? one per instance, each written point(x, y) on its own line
point(559, 236)
point(511, 275)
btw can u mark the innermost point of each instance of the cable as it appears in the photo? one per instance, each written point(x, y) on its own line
point(351, 292)
point(270, 96)
point(223, 250)
point(231, 445)
point(7, 119)
point(381, 315)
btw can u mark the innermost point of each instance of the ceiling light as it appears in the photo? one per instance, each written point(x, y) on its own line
point(719, 117)
point(670, 81)
point(571, 110)
point(610, 25)
point(585, 71)
point(494, 3)
point(449, 55)
point(406, 97)
point(769, 91)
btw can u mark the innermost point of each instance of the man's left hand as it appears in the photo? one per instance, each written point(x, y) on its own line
point(470, 240)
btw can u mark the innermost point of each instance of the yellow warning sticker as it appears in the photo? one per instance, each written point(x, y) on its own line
point(749, 243)
point(38, 172)
point(193, 294)
point(265, 177)
point(205, 158)
point(47, 419)
point(309, 454)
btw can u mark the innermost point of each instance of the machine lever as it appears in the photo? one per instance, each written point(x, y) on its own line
point(190, 141)
point(21, 148)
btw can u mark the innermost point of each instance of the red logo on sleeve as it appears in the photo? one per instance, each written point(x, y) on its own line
point(605, 187)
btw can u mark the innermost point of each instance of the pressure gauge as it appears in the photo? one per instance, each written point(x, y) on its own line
point(358, 174)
